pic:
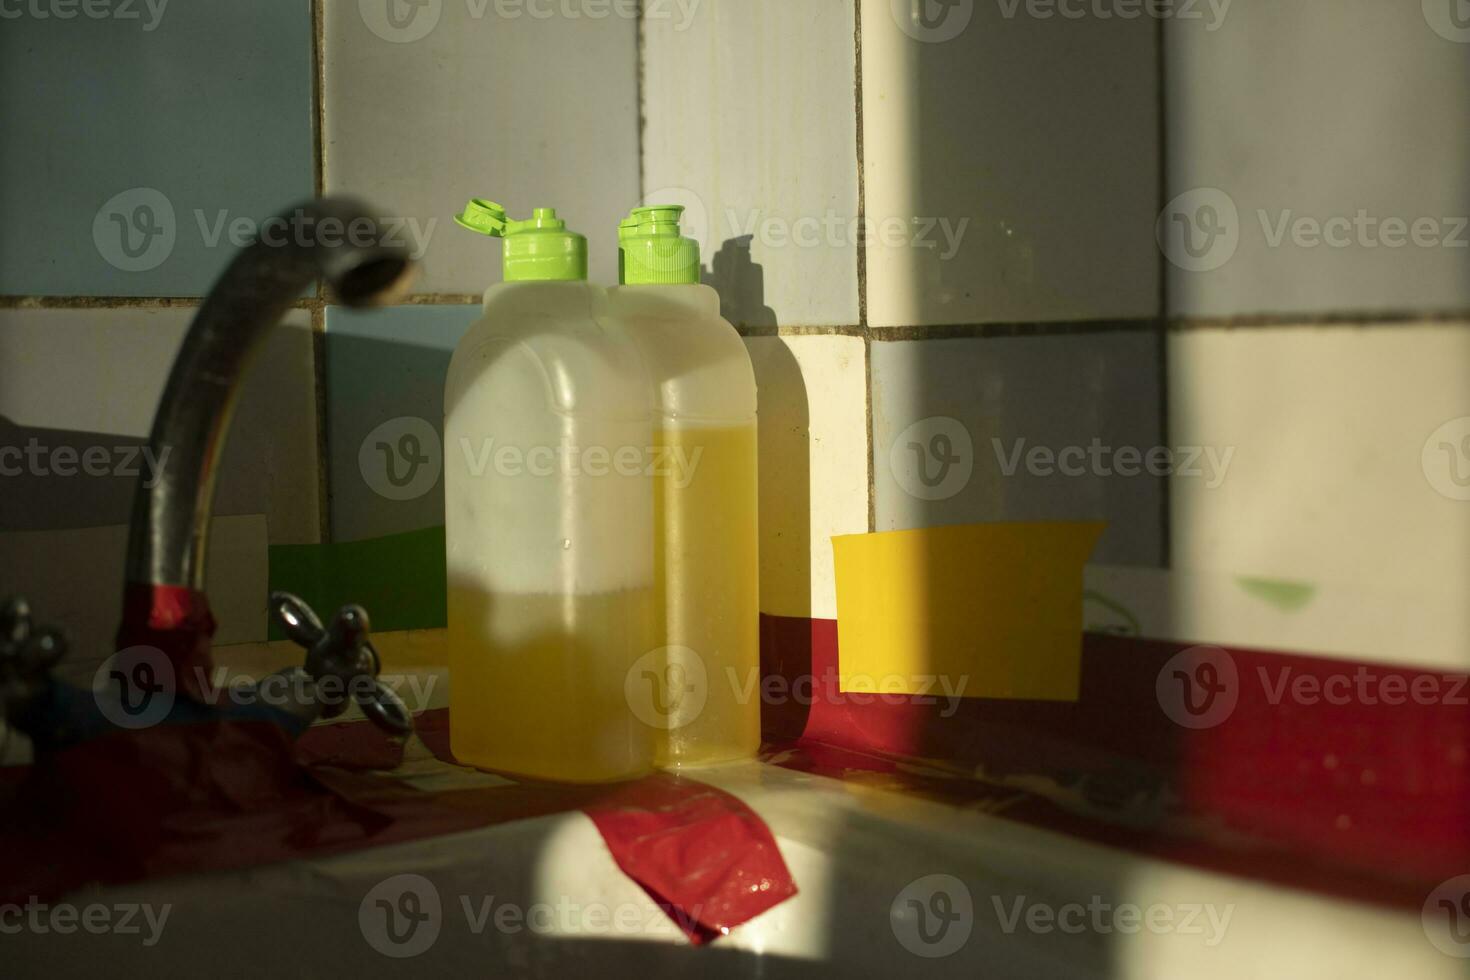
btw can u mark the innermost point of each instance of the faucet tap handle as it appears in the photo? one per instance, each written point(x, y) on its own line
point(27, 654)
point(297, 619)
point(342, 658)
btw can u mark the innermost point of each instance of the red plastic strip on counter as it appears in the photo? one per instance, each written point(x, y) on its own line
point(708, 860)
point(704, 856)
point(174, 799)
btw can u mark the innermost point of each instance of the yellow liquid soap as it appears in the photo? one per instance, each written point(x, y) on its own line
point(706, 582)
point(549, 701)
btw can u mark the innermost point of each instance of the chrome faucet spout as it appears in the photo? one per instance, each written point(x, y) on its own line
point(334, 239)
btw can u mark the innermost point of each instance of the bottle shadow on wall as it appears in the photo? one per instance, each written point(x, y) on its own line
point(784, 434)
point(742, 286)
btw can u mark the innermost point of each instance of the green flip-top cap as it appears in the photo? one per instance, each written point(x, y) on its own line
point(538, 249)
point(653, 251)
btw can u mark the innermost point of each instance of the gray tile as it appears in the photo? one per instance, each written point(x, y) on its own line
point(956, 424)
point(752, 126)
point(1290, 121)
point(1010, 163)
point(456, 100)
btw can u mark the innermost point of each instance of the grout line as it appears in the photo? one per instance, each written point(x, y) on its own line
point(868, 433)
point(955, 331)
point(96, 302)
point(323, 437)
point(1334, 319)
point(188, 302)
point(318, 313)
point(948, 331)
point(116, 302)
point(443, 299)
point(862, 182)
point(862, 266)
point(1176, 325)
point(1161, 135)
point(800, 331)
point(641, 44)
point(1166, 506)
point(319, 110)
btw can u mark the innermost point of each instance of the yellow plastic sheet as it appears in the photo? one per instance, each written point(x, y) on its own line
point(973, 610)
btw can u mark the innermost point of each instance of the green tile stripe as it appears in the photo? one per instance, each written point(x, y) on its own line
point(398, 579)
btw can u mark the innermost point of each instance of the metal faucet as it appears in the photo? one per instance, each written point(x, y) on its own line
point(170, 523)
point(164, 606)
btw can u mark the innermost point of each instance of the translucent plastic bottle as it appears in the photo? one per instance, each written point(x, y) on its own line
point(705, 594)
point(548, 517)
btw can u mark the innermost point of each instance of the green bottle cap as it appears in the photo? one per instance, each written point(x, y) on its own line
point(653, 252)
point(538, 249)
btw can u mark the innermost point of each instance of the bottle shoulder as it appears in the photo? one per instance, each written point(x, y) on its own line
point(698, 362)
point(584, 359)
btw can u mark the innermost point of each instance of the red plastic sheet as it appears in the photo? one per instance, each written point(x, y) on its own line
point(176, 799)
point(701, 854)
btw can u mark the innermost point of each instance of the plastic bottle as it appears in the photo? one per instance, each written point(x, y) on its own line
point(548, 518)
point(706, 595)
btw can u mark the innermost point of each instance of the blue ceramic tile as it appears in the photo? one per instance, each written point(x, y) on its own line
point(1022, 429)
point(133, 141)
point(385, 416)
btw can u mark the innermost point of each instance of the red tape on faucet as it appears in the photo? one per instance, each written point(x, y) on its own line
point(175, 620)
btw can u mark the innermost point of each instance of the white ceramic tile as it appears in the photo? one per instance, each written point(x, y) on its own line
point(1351, 454)
point(528, 104)
point(1004, 429)
point(1010, 162)
point(1423, 628)
point(813, 465)
point(79, 380)
point(751, 123)
point(1314, 111)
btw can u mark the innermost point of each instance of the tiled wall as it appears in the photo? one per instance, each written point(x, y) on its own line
point(1007, 174)
point(140, 152)
point(131, 143)
point(953, 235)
point(137, 142)
point(1318, 156)
point(1020, 286)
